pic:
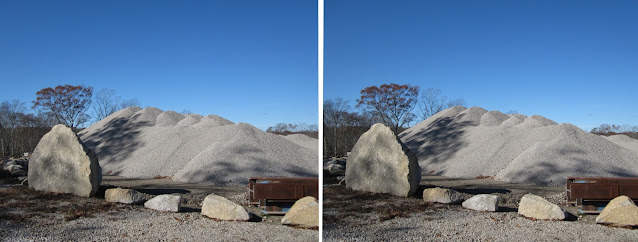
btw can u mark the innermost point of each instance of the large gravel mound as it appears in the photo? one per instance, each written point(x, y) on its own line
point(303, 140)
point(145, 143)
point(468, 143)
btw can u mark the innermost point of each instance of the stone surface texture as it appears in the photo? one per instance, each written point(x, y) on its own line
point(442, 195)
point(62, 163)
point(536, 207)
point(218, 207)
point(165, 203)
point(482, 202)
point(620, 211)
point(379, 162)
point(304, 213)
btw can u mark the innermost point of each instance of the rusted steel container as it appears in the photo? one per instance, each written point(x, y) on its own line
point(591, 194)
point(275, 195)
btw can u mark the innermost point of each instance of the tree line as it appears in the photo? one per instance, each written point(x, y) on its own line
point(21, 127)
point(396, 106)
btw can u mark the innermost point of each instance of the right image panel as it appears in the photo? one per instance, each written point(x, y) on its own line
point(480, 120)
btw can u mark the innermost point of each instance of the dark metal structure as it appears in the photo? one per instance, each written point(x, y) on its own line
point(591, 194)
point(277, 194)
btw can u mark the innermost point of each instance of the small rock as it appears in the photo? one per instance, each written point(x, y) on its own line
point(218, 207)
point(621, 211)
point(166, 203)
point(442, 195)
point(482, 202)
point(62, 163)
point(17, 170)
point(536, 207)
point(304, 213)
point(127, 196)
point(336, 169)
point(381, 163)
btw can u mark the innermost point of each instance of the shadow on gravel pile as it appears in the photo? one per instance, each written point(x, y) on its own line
point(19, 204)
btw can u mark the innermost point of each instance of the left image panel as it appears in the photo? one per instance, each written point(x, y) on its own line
point(159, 120)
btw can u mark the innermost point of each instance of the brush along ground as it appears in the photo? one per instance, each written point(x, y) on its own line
point(350, 215)
point(26, 214)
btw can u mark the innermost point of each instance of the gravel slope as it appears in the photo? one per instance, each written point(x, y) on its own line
point(467, 143)
point(145, 143)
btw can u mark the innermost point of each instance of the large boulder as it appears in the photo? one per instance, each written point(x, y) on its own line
point(127, 196)
point(304, 213)
point(379, 162)
point(621, 211)
point(536, 207)
point(442, 195)
point(165, 203)
point(62, 163)
point(218, 207)
point(482, 202)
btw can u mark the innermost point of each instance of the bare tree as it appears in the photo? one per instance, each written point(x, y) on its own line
point(392, 103)
point(125, 103)
point(433, 102)
point(68, 104)
point(105, 103)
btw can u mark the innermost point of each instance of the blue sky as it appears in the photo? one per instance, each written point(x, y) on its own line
point(247, 61)
point(570, 61)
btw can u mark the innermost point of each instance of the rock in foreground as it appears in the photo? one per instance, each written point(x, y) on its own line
point(620, 211)
point(536, 207)
point(127, 196)
point(218, 207)
point(304, 213)
point(165, 203)
point(482, 202)
point(442, 195)
point(379, 162)
point(62, 163)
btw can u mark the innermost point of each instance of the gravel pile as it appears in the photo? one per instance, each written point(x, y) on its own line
point(303, 140)
point(468, 143)
point(146, 143)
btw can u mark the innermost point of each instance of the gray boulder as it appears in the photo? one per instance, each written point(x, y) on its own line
point(165, 203)
point(442, 195)
point(482, 202)
point(536, 207)
point(379, 162)
point(218, 207)
point(620, 211)
point(62, 163)
point(127, 196)
point(304, 213)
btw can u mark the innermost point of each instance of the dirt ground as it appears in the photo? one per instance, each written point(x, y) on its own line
point(343, 206)
point(19, 204)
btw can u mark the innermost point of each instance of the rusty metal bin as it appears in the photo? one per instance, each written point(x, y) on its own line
point(591, 194)
point(275, 195)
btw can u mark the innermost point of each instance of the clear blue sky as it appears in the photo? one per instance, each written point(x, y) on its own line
point(247, 61)
point(570, 61)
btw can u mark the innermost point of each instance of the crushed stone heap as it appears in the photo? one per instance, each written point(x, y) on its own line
point(467, 143)
point(146, 143)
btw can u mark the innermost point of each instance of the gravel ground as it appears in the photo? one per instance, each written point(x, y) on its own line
point(362, 216)
point(29, 215)
point(139, 224)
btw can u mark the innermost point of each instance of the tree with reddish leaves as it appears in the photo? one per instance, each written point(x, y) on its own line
point(392, 103)
point(67, 104)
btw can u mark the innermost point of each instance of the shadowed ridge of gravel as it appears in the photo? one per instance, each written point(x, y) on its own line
point(536, 121)
point(121, 114)
point(471, 116)
point(213, 121)
point(220, 155)
point(303, 140)
point(146, 116)
point(168, 118)
point(537, 151)
point(514, 120)
point(190, 120)
point(493, 118)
